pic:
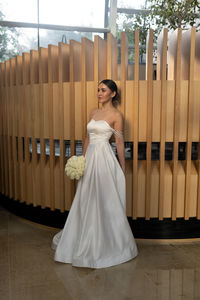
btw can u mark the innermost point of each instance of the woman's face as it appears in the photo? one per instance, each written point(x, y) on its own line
point(104, 93)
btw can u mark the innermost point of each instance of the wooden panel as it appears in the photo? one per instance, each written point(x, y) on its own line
point(128, 128)
point(5, 127)
point(50, 95)
point(87, 68)
point(196, 111)
point(52, 78)
point(2, 167)
point(178, 44)
point(35, 126)
point(172, 55)
point(91, 98)
point(190, 63)
point(20, 118)
point(165, 209)
point(12, 141)
point(56, 111)
point(141, 189)
point(192, 197)
point(124, 70)
point(149, 122)
point(197, 57)
point(135, 121)
point(112, 52)
point(129, 192)
point(100, 59)
point(156, 111)
point(183, 111)
point(142, 110)
point(180, 189)
point(154, 203)
point(170, 110)
point(26, 104)
point(185, 54)
point(43, 95)
point(162, 113)
point(100, 63)
point(66, 99)
point(63, 64)
point(75, 75)
point(78, 111)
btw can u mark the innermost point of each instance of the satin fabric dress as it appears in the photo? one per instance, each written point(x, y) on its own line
point(97, 233)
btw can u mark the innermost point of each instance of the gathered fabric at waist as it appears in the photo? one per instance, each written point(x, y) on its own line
point(98, 139)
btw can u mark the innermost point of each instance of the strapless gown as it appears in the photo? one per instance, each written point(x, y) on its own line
point(97, 233)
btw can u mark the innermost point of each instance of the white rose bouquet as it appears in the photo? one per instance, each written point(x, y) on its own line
point(75, 166)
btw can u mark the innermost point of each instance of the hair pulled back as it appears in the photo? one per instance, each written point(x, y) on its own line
point(113, 87)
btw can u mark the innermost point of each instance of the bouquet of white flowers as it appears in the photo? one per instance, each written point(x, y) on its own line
point(75, 166)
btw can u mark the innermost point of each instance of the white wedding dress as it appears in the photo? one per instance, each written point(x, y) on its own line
point(97, 233)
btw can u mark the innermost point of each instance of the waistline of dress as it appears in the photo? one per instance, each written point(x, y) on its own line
point(94, 141)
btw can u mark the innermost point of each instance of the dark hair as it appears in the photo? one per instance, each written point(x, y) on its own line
point(113, 87)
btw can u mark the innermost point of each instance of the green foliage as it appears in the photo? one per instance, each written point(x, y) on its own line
point(159, 13)
point(8, 41)
point(175, 14)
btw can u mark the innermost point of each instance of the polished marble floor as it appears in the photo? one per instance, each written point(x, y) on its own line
point(28, 271)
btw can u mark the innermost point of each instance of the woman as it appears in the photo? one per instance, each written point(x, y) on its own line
point(96, 233)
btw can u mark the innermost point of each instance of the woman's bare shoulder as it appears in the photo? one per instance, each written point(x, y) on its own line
point(117, 115)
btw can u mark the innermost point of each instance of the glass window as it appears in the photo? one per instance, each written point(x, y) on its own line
point(88, 13)
point(131, 4)
point(19, 10)
point(14, 41)
point(55, 36)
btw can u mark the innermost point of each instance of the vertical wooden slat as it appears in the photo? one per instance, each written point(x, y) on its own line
point(100, 59)
point(20, 178)
point(20, 100)
point(52, 77)
point(123, 86)
point(87, 74)
point(163, 72)
point(177, 76)
point(26, 95)
point(149, 122)
point(135, 121)
point(198, 167)
point(43, 78)
point(63, 75)
point(112, 68)
point(34, 80)
point(1, 130)
point(100, 65)
point(74, 75)
point(9, 122)
point(12, 128)
point(74, 48)
point(2, 126)
point(6, 128)
point(124, 70)
point(189, 121)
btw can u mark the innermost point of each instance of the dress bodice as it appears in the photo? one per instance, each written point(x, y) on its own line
point(99, 131)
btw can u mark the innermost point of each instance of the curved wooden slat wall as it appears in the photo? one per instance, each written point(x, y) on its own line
point(48, 95)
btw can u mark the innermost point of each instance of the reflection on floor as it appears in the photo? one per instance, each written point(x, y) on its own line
point(28, 271)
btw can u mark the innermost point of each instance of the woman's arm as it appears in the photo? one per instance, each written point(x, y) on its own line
point(85, 145)
point(118, 126)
